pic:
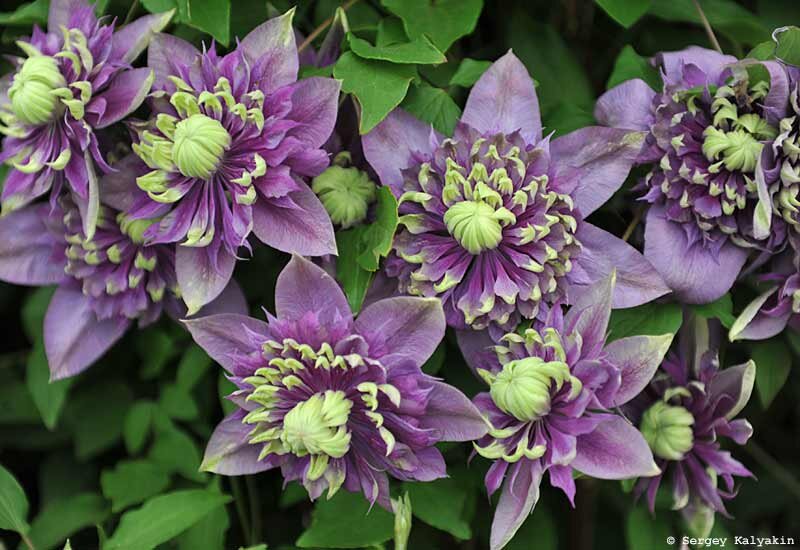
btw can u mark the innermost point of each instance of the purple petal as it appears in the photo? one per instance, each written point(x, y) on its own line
point(26, 248)
point(199, 279)
point(405, 327)
point(123, 96)
point(302, 228)
point(517, 499)
point(638, 357)
point(590, 312)
point(776, 104)
point(477, 347)
point(89, 206)
point(60, 13)
point(389, 145)
point(453, 415)
point(73, 336)
point(504, 100)
point(752, 324)
point(712, 63)
point(119, 187)
point(637, 280)
point(132, 39)
point(692, 272)
point(614, 450)
point(315, 102)
point(736, 385)
point(226, 336)
point(166, 53)
point(272, 45)
point(230, 300)
point(228, 453)
point(595, 162)
point(627, 106)
point(304, 287)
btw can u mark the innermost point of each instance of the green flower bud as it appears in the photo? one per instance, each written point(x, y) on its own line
point(318, 426)
point(523, 388)
point(199, 144)
point(345, 193)
point(668, 430)
point(477, 225)
point(31, 92)
point(402, 521)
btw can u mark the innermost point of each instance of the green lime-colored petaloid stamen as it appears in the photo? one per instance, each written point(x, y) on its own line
point(134, 229)
point(477, 225)
point(31, 93)
point(737, 149)
point(199, 143)
point(318, 425)
point(346, 193)
point(668, 430)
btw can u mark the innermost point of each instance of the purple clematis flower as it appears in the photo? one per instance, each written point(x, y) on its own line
point(553, 388)
point(334, 401)
point(105, 283)
point(492, 219)
point(228, 147)
point(687, 407)
point(706, 132)
point(76, 79)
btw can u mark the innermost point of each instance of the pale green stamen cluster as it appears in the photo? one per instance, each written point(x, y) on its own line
point(40, 93)
point(480, 215)
point(194, 142)
point(734, 139)
point(668, 430)
point(786, 201)
point(316, 426)
point(346, 194)
point(524, 389)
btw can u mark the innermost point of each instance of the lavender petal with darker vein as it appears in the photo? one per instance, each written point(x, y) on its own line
point(683, 414)
point(232, 139)
point(553, 388)
point(707, 129)
point(331, 400)
point(76, 78)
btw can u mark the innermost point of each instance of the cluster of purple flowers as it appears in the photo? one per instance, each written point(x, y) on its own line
point(493, 241)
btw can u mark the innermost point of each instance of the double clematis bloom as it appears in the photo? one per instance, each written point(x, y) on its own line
point(228, 147)
point(492, 219)
point(687, 408)
point(709, 203)
point(75, 80)
point(334, 401)
point(552, 390)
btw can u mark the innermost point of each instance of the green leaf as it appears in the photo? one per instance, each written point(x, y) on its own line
point(420, 50)
point(13, 503)
point(193, 365)
point(16, 405)
point(441, 504)
point(156, 348)
point(725, 16)
point(721, 309)
point(630, 65)
point(379, 86)
point(137, 425)
point(468, 72)
point(177, 402)
point(763, 51)
point(34, 310)
point(346, 521)
point(361, 248)
point(788, 49)
point(649, 319)
point(225, 387)
point(434, 106)
point(49, 397)
point(567, 117)
point(645, 531)
point(131, 482)
point(97, 415)
point(176, 452)
point(625, 12)
point(211, 16)
point(540, 526)
point(29, 13)
point(163, 518)
point(208, 533)
point(773, 363)
point(444, 21)
point(65, 517)
point(160, 6)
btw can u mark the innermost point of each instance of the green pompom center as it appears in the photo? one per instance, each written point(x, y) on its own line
point(198, 146)
point(31, 93)
point(668, 430)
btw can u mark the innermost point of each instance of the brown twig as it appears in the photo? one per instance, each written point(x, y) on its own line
point(324, 25)
point(709, 31)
